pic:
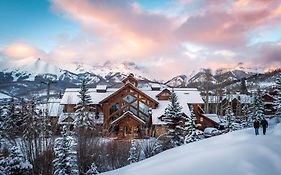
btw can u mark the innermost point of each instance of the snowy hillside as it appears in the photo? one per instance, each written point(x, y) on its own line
point(178, 81)
point(236, 153)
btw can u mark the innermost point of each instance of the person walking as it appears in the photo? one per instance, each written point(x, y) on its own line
point(256, 126)
point(264, 125)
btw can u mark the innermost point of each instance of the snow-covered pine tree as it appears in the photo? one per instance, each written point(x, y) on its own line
point(92, 170)
point(258, 106)
point(230, 117)
point(175, 122)
point(65, 162)
point(11, 121)
point(247, 111)
point(83, 119)
point(133, 152)
point(3, 165)
point(277, 101)
point(192, 133)
point(16, 163)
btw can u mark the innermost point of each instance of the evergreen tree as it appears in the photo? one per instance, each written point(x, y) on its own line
point(65, 162)
point(277, 101)
point(175, 122)
point(247, 111)
point(83, 119)
point(192, 132)
point(3, 165)
point(10, 125)
point(230, 117)
point(16, 164)
point(92, 170)
point(243, 87)
point(133, 153)
point(258, 106)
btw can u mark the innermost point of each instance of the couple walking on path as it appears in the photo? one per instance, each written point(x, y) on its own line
point(257, 124)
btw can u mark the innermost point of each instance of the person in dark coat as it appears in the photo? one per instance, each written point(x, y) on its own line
point(264, 125)
point(256, 126)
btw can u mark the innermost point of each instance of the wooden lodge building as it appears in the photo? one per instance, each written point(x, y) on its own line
point(129, 111)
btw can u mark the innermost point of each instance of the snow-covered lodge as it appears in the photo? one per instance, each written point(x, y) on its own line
point(130, 111)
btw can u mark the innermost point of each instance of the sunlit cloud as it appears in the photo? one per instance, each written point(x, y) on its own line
point(180, 38)
point(22, 50)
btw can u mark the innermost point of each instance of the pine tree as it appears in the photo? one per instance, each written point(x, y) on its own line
point(243, 87)
point(92, 170)
point(11, 121)
point(277, 101)
point(65, 162)
point(133, 153)
point(16, 164)
point(192, 132)
point(247, 111)
point(83, 119)
point(258, 106)
point(175, 122)
point(230, 118)
point(3, 165)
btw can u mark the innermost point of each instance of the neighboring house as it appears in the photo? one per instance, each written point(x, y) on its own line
point(236, 101)
point(268, 101)
point(129, 111)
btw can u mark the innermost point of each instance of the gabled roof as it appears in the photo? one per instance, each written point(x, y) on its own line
point(209, 119)
point(130, 114)
point(132, 87)
point(130, 78)
point(164, 90)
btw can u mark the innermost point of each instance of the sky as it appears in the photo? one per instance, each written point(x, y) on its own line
point(163, 37)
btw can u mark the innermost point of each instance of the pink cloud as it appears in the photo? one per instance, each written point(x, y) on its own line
point(22, 50)
point(124, 31)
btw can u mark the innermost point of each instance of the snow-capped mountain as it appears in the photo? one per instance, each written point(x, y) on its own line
point(29, 68)
point(178, 81)
point(22, 77)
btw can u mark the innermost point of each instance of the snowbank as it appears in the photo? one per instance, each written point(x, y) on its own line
point(236, 153)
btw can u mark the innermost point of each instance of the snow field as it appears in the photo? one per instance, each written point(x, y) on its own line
point(235, 153)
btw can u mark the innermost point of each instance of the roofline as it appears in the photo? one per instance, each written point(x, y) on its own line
point(126, 85)
point(126, 113)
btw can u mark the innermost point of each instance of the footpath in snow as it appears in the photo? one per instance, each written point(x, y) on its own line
point(237, 153)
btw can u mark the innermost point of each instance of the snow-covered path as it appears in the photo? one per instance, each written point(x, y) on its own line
point(236, 153)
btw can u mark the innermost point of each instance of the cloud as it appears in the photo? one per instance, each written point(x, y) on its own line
point(22, 50)
point(200, 33)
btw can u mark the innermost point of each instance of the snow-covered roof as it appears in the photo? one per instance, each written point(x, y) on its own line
point(54, 108)
point(71, 95)
point(4, 96)
point(128, 112)
point(215, 118)
point(185, 96)
point(101, 87)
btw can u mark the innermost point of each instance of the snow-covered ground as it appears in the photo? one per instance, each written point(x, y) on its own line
point(236, 153)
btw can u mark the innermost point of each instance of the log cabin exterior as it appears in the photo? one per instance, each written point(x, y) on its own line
point(129, 111)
